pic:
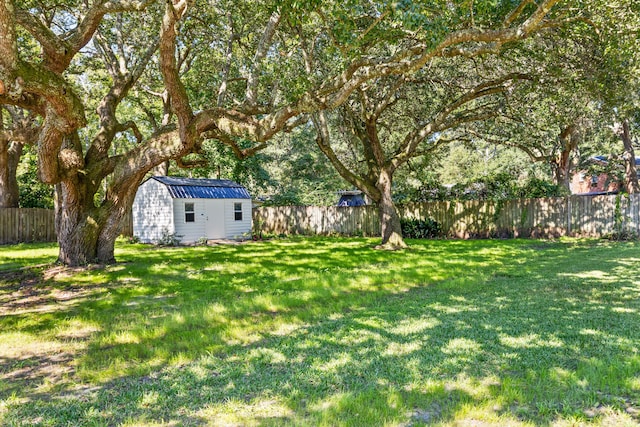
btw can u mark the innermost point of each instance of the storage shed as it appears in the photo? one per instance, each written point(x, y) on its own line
point(191, 209)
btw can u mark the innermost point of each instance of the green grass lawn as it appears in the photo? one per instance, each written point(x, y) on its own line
point(326, 332)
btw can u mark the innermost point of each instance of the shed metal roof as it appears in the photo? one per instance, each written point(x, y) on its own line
point(199, 188)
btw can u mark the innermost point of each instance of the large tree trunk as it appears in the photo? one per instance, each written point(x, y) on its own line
point(389, 218)
point(112, 226)
point(119, 201)
point(77, 225)
point(87, 234)
point(629, 156)
point(569, 138)
point(10, 153)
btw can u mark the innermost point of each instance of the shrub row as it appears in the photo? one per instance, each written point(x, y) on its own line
point(420, 228)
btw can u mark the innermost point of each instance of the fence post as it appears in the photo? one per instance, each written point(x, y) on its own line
point(569, 214)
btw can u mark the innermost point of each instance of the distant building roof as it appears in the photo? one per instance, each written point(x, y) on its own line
point(598, 193)
point(605, 159)
point(200, 188)
point(351, 198)
point(600, 157)
point(349, 192)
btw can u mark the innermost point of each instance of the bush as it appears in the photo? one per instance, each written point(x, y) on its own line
point(33, 193)
point(622, 235)
point(128, 239)
point(420, 228)
point(539, 188)
point(169, 239)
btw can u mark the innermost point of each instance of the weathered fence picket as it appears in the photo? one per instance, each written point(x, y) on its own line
point(22, 225)
point(26, 225)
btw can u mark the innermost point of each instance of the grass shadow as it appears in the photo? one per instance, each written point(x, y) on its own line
point(330, 332)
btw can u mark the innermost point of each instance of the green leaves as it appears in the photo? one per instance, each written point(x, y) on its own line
point(33, 193)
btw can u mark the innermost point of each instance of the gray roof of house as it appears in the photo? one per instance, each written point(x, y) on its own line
point(604, 159)
point(200, 188)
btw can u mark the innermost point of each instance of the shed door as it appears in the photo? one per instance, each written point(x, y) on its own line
point(214, 215)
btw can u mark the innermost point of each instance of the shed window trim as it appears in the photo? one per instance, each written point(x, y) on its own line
point(189, 212)
point(237, 211)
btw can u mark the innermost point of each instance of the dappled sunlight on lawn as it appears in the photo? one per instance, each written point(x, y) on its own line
point(26, 254)
point(333, 332)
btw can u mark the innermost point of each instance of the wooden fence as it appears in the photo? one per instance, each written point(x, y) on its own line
point(567, 216)
point(27, 225)
point(552, 217)
point(18, 225)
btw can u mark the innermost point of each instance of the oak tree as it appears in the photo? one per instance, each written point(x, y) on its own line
point(264, 67)
point(394, 119)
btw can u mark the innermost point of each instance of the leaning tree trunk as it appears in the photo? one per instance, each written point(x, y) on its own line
point(119, 201)
point(630, 173)
point(109, 232)
point(389, 218)
point(10, 153)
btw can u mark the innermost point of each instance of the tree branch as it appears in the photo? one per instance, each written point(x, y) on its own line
point(170, 71)
point(131, 125)
point(333, 92)
point(515, 13)
point(191, 163)
point(122, 82)
point(239, 152)
point(536, 157)
point(389, 99)
point(226, 68)
point(323, 139)
point(251, 93)
point(439, 122)
point(58, 51)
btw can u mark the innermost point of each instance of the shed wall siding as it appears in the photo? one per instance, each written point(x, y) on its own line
point(190, 232)
point(236, 229)
point(152, 212)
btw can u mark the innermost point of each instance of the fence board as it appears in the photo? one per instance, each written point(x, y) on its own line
point(26, 225)
point(550, 217)
point(23, 225)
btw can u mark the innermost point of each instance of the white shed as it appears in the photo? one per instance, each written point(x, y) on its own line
point(191, 209)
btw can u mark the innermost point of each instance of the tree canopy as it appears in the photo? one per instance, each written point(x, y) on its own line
point(117, 88)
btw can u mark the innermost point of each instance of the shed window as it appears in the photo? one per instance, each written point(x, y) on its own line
point(237, 211)
point(189, 212)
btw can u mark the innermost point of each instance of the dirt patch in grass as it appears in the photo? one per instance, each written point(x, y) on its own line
point(62, 271)
point(38, 367)
point(31, 371)
point(45, 364)
point(31, 294)
point(17, 278)
point(35, 274)
point(29, 290)
point(21, 289)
